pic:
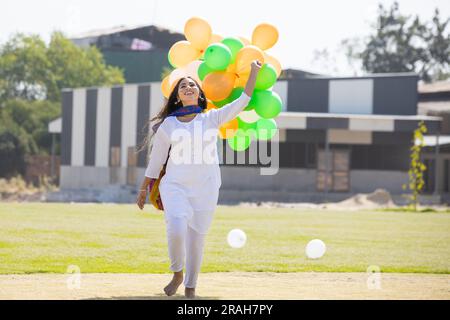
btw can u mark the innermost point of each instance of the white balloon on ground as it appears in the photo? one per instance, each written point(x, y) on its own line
point(315, 249)
point(236, 238)
point(249, 116)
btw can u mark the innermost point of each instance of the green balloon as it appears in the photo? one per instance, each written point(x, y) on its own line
point(234, 44)
point(235, 93)
point(240, 141)
point(221, 103)
point(265, 129)
point(267, 103)
point(266, 78)
point(217, 56)
point(247, 128)
point(245, 125)
point(203, 71)
point(170, 62)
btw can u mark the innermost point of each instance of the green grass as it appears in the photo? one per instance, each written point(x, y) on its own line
point(40, 237)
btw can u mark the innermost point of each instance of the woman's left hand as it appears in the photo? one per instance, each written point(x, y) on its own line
point(256, 66)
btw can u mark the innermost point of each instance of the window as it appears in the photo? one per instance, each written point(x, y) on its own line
point(380, 157)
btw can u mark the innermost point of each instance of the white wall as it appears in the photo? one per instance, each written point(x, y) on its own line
point(351, 96)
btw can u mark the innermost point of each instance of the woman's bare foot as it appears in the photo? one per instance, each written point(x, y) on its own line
point(173, 285)
point(189, 293)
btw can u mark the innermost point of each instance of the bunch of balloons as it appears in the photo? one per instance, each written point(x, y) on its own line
point(222, 67)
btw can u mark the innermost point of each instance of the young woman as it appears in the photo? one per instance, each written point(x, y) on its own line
point(189, 189)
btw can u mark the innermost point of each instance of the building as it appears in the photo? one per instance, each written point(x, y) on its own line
point(362, 125)
point(141, 52)
point(434, 100)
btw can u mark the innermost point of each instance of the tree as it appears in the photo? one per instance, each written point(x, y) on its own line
point(32, 75)
point(404, 44)
point(73, 67)
point(31, 70)
point(15, 143)
point(417, 168)
point(33, 117)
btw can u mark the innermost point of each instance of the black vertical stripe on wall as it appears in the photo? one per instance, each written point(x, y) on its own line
point(308, 95)
point(143, 115)
point(327, 123)
point(395, 95)
point(310, 136)
point(392, 138)
point(115, 132)
point(66, 130)
point(411, 125)
point(89, 133)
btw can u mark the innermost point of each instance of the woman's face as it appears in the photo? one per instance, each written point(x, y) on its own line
point(188, 92)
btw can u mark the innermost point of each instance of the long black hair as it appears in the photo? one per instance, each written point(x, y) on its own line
point(171, 105)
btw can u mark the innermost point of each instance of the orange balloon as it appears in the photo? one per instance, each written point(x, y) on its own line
point(246, 56)
point(229, 129)
point(210, 106)
point(165, 87)
point(231, 68)
point(274, 62)
point(242, 79)
point(182, 53)
point(215, 38)
point(265, 36)
point(198, 32)
point(218, 85)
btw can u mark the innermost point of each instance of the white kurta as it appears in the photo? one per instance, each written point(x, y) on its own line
point(190, 187)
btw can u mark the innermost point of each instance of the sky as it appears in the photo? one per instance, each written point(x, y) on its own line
point(304, 26)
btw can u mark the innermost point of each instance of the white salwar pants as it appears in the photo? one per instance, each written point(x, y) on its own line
point(185, 245)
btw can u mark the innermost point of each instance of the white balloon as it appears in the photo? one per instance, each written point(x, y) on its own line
point(315, 249)
point(175, 75)
point(236, 238)
point(191, 70)
point(249, 116)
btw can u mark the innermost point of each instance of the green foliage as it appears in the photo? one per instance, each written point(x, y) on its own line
point(32, 70)
point(32, 75)
point(15, 143)
point(401, 43)
point(417, 168)
point(73, 67)
point(33, 117)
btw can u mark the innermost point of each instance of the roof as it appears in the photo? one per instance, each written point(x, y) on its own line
point(438, 86)
point(368, 76)
point(123, 38)
point(108, 31)
point(360, 116)
point(430, 141)
point(355, 122)
point(433, 106)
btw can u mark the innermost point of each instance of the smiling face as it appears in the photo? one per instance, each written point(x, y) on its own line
point(188, 92)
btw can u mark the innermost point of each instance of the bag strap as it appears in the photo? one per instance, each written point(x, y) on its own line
point(168, 154)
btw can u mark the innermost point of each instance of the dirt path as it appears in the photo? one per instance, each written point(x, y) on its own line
point(235, 285)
